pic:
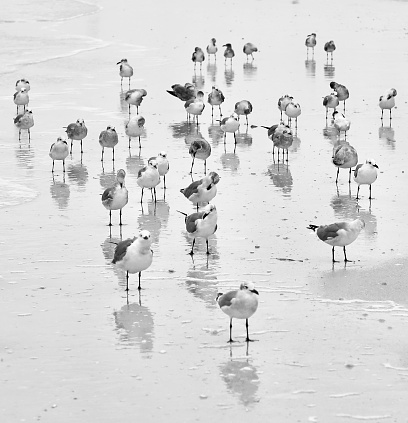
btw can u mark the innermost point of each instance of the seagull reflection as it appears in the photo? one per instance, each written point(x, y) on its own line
point(78, 174)
point(212, 71)
point(135, 327)
point(107, 179)
point(108, 250)
point(198, 80)
point(281, 177)
point(331, 133)
point(124, 107)
point(241, 379)
point(249, 70)
point(230, 161)
point(229, 76)
point(310, 65)
point(60, 193)
point(387, 134)
point(243, 138)
point(181, 129)
point(134, 164)
point(156, 216)
point(25, 156)
point(329, 70)
point(215, 133)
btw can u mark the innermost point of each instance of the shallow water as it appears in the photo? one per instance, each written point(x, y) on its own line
point(331, 340)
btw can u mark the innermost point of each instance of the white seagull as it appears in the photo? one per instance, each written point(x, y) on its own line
point(108, 138)
point(329, 47)
point(148, 177)
point(163, 165)
point(249, 49)
point(135, 128)
point(240, 304)
point(215, 98)
point(24, 121)
point(59, 151)
point(21, 98)
point(203, 190)
point(283, 103)
point(344, 156)
point(125, 70)
point(135, 97)
point(116, 197)
point(365, 174)
point(200, 149)
point(310, 42)
point(22, 83)
point(230, 124)
point(243, 108)
point(134, 255)
point(293, 111)
point(341, 123)
point(341, 91)
point(212, 48)
point(229, 52)
point(339, 234)
point(387, 101)
point(331, 101)
point(195, 106)
point(77, 131)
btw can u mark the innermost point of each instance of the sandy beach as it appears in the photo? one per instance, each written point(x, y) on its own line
point(330, 339)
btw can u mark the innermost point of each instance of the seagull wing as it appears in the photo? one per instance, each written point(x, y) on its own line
point(120, 250)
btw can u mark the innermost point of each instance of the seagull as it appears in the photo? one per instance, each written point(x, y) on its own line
point(183, 92)
point(329, 47)
point(283, 103)
point(162, 165)
point(310, 42)
point(365, 174)
point(21, 98)
point(282, 138)
point(125, 70)
point(77, 131)
point(339, 234)
point(387, 101)
point(200, 149)
point(248, 49)
point(215, 98)
point(331, 101)
point(240, 304)
point(230, 124)
point(340, 122)
point(212, 48)
point(243, 107)
point(341, 91)
point(195, 106)
point(134, 255)
point(116, 197)
point(24, 121)
point(345, 157)
point(148, 177)
point(135, 128)
point(229, 52)
point(198, 56)
point(108, 138)
point(135, 97)
point(59, 151)
point(203, 190)
point(201, 224)
point(22, 83)
point(292, 111)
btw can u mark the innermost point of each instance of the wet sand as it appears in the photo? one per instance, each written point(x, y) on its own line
point(331, 342)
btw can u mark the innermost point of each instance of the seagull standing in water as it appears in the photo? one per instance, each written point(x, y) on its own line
point(59, 151)
point(77, 131)
point(149, 177)
point(331, 101)
point(200, 149)
point(329, 47)
point(135, 97)
point(125, 70)
point(23, 83)
point(21, 98)
point(387, 101)
point(230, 124)
point(108, 138)
point(240, 304)
point(283, 103)
point(116, 197)
point(24, 121)
point(310, 42)
point(229, 52)
point(243, 108)
point(365, 174)
point(212, 49)
point(183, 92)
point(134, 255)
point(249, 49)
point(195, 106)
point(215, 98)
point(201, 224)
point(163, 165)
point(198, 57)
point(341, 123)
point(339, 234)
point(345, 157)
point(293, 111)
point(203, 190)
point(341, 91)
point(135, 128)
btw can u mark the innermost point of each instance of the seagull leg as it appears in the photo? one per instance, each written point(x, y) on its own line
point(81, 147)
point(333, 261)
point(345, 257)
point(370, 193)
point(192, 246)
point(120, 217)
point(127, 281)
point(155, 197)
point(140, 145)
point(230, 340)
point(113, 154)
point(71, 147)
point(164, 181)
point(192, 164)
point(382, 114)
point(337, 177)
point(220, 110)
point(247, 338)
point(102, 154)
point(52, 167)
point(139, 287)
point(350, 176)
point(63, 165)
point(205, 167)
point(358, 190)
point(110, 218)
point(141, 198)
point(208, 251)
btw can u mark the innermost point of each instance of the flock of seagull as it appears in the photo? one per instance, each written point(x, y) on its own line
point(134, 255)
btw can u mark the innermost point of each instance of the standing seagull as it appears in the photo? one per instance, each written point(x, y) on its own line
point(116, 197)
point(108, 138)
point(195, 106)
point(243, 107)
point(283, 103)
point(365, 174)
point(249, 49)
point(215, 98)
point(282, 138)
point(125, 71)
point(345, 157)
point(135, 128)
point(77, 131)
point(341, 123)
point(148, 177)
point(230, 124)
point(203, 190)
point(59, 151)
point(163, 165)
point(387, 101)
point(310, 42)
point(22, 83)
point(183, 92)
point(329, 47)
point(229, 52)
point(200, 149)
point(341, 91)
point(293, 111)
point(201, 224)
point(198, 57)
point(339, 234)
point(134, 255)
point(212, 49)
point(24, 121)
point(241, 304)
point(331, 101)
point(21, 98)
point(135, 97)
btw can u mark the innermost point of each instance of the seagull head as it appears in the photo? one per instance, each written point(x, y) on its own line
point(372, 163)
point(249, 286)
point(144, 235)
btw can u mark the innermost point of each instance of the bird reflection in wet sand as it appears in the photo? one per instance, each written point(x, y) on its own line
point(249, 70)
point(281, 177)
point(198, 80)
point(241, 378)
point(387, 134)
point(134, 163)
point(182, 129)
point(243, 138)
point(212, 71)
point(229, 76)
point(230, 161)
point(135, 327)
point(310, 66)
point(154, 218)
point(60, 192)
point(108, 249)
point(329, 71)
point(25, 156)
point(78, 173)
point(215, 133)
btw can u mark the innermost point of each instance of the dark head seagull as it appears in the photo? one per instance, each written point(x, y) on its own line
point(116, 197)
point(125, 70)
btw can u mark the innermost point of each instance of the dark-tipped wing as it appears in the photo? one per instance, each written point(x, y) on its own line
point(328, 231)
point(226, 299)
point(356, 170)
point(191, 189)
point(120, 250)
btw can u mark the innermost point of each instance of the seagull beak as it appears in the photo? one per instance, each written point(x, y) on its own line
point(119, 63)
point(255, 291)
point(376, 166)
